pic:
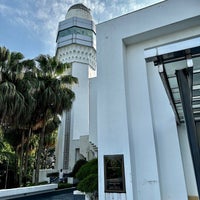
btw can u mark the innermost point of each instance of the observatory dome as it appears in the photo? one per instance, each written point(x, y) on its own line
point(79, 10)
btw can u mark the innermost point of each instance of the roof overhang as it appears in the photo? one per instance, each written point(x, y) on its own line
point(171, 58)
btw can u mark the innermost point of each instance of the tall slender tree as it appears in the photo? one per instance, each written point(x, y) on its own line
point(31, 93)
point(16, 93)
point(54, 95)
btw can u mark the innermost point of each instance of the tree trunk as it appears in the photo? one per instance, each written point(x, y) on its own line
point(46, 156)
point(38, 157)
point(21, 160)
point(16, 182)
point(43, 158)
point(26, 156)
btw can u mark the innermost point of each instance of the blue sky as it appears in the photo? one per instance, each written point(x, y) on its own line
point(30, 26)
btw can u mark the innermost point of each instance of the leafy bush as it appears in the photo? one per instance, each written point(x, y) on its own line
point(89, 184)
point(88, 177)
point(40, 183)
point(90, 167)
point(77, 166)
point(64, 185)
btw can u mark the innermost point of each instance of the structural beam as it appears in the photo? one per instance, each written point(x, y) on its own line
point(168, 90)
point(184, 78)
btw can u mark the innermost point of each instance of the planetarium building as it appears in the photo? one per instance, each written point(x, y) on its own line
point(76, 44)
point(148, 103)
point(142, 110)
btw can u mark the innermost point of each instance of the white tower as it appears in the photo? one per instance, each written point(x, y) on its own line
point(76, 44)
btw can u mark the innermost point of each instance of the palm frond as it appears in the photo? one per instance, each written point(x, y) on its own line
point(4, 54)
point(69, 79)
point(43, 63)
point(1, 145)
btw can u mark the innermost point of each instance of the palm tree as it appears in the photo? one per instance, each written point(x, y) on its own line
point(54, 95)
point(12, 137)
point(32, 92)
point(16, 100)
point(1, 146)
point(17, 83)
point(50, 141)
point(12, 101)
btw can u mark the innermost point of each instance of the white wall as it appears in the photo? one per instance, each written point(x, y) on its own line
point(59, 152)
point(74, 144)
point(187, 161)
point(79, 122)
point(172, 181)
point(141, 133)
point(112, 124)
point(134, 117)
point(93, 111)
point(80, 107)
point(112, 118)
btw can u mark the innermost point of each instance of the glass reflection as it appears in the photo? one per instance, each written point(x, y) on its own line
point(76, 30)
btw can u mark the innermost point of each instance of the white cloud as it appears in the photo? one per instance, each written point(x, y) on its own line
point(49, 13)
point(41, 17)
point(4, 9)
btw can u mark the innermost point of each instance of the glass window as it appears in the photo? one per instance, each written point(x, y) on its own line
point(76, 30)
point(196, 62)
point(196, 79)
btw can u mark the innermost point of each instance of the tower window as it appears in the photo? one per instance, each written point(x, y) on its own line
point(75, 30)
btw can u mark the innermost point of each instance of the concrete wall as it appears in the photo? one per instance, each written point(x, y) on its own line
point(141, 125)
point(187, 161)
point(171, 175)
point(93, 111)
point(43, 174)
point(134, 117)
point(59, 152)
point(82, 130)
point(80, 108)
point(81, 53)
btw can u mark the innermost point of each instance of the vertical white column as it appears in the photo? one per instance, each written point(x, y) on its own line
point(59, 153)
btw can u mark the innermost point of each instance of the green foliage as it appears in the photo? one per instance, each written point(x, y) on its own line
point(88, 177)
point(1, 141)
point(90, 167)
point(6, 152)
point(64, 185)
point(40, 183)
point(12, 136)
point(89, 184)
point(77, 166)
point(32, 94)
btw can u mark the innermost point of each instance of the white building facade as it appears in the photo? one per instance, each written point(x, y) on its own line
point(145, 136)
point(76, 44)
point(144, 103)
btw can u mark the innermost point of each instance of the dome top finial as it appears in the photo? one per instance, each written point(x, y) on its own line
point(79, 10)
point(79, 6)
